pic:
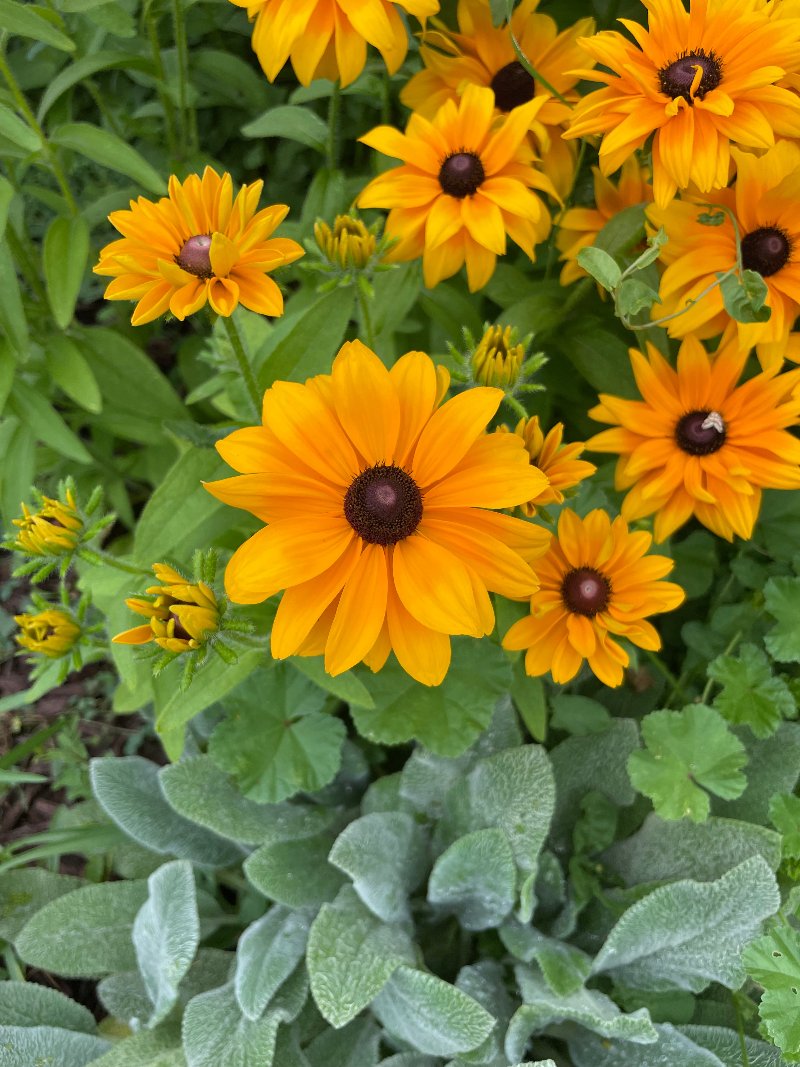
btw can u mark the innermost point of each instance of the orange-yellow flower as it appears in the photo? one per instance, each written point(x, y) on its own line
point(51, 633)
point(597, 583)
point(483, 54)
point(197, 245)
point(578, 227)
point(765, 201)
point(329, 38)
point(55, 529)
point(465, 183)
point(699, 443)
point(558, 462)
point(376, 502)
point(181, 614)
point(700, 80)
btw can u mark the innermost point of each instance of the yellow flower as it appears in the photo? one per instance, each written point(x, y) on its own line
point(700, 80)
point(578, 227)
point(700, 444)
point(596, 581)
point(497, 360)
point(764, 203)
point(182, 614)
point(51, 633)
point(329, 38)
point(465, 183)
point(483, 54)
point(558, 462)
point(54, 530)
point(197, 245)
point(375, 499)
point(349, 245)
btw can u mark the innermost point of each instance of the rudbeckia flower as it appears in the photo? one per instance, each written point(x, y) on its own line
point(329, 38)
point(578, 227)
point(597, 583)
point(700, 80)
point(465, 183)
point(54, 529)
point(52, 633)
point(764, 201)
point(197, 245)
point(483, 54)
point(181, 614)
point(699, 443)
point(376, 499)
point(558, 462)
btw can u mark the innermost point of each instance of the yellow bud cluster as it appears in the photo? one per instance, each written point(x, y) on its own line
point(54, 530)
point(348, 245)
point(181, 616)
point(50, 633)
point(497, 360)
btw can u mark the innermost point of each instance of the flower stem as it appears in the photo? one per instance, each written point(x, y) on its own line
point(334, 110)
point(97, 556)
point(366, 318)
point(243, 363)
point(534, 73)
point(158, 65)
point(188, 122)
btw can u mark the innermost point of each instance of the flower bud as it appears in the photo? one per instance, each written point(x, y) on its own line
point(54, 530)
point(349, 245)
point(52, 633)
point(498, 360)
point(181, 614)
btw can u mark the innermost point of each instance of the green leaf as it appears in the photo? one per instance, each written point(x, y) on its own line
point(751, 694)
point(127, 788)
point(623, 232)
point(275, 741)
point(695, 563)
point(476, 879)
point(687, 752)
point(68, 368)
point(579, 716)
point(295, 873)
point(35, 23)
point(292, 123)
point(744, 296)
point(355, 1045)
point(431, 1015)
point(166, 934)
point(215, 1032)
point(7, 194)
point(24, 892)
point(446, 718)
point(598, 355)
point(351, 956)
point(602, 267)
point(12, 313)
point(148, 1048)
point(784, 811)
point(672, 1049)
point(346, 687)
point(529, 697)
point(84, 934)
point(386, 856)
point(85, 67)
point(29, 1004)
point(24, 1046)
point(64, 256)
point(689, 934)
point(773, 767)
point(774, 962)
point(305, 343)
point(18, 132)
point(109, 150)
point(564, 967)
point(34, 410)
point(267, 953)
point(782, 601)
point(727, 1045)
point(634, 296)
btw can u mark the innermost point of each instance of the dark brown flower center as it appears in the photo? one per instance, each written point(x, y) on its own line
point(677, 79)
point(461, 174)
point(700, 433)
point(180, 630)
point(766, 250)
point(512, 86)
point(585, 591)
point(195, 256)
point(383, 505)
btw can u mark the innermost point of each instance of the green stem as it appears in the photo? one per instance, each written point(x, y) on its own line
point(734, 641)
point(182, 50)
point(676, 314)
point(158, 65)
point(334, 111)
point(366, 318)
point(577, 294)
point(665, 672)
point(534, 73)
point(25, 262)
point(740, 1029)
point(243, 363)
point(15, 972)
point(30, 118)
point(97, 555)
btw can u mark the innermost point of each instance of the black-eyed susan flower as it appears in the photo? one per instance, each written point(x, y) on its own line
point(700, 81)
point(181, 614)
point(559, 463)
point(483, 54)
point(699, 443)
point(377, 501)
point(198, 245)
point(764, 202)
point(578, 227)
point(53, 529)
point(597, 583)
point(329, 38)
point(466, 182)
point(52, 633)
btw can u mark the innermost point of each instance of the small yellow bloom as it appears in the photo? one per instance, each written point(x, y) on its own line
point(181, 615)
point(349, 245)
point(497, 360)
point(558, 462)
point(50, 633)
point(54, 530)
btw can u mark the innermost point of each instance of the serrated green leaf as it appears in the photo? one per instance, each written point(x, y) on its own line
point(267, 953)
point(64, 255)
point(109, 150)
point(784, 811)
point(29, 1004)
point(687, 750)
point(774, 962)
point(751, 694)
point(476, 878)
point(782, 601)
point(24, 1046)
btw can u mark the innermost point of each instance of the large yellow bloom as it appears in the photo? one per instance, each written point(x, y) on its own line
point(558, 462)
point(701, 80)
point(483, 54)
point(329, 38)
point(197, 245)
point(578, 227)
point(765, 201)
point(596, 581)
point(181, 614)
point(698, 443)
point(465, 183)
point(375, 499)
